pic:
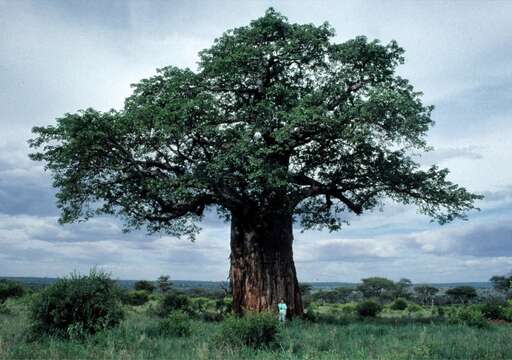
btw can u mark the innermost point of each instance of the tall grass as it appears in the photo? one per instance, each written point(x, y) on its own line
point(381, 338)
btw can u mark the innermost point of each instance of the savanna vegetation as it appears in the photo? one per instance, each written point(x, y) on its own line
point(90, 317)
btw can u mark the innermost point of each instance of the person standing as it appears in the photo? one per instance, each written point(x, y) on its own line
point(282, 310)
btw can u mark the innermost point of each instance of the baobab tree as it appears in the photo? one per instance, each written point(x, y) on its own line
point(277, 125)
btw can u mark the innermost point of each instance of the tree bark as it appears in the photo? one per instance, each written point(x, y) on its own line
point(262, 268)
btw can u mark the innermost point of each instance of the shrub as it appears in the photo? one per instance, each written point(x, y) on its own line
point(77, 306)
point(310, 314)
point(211, 316)
point(135, 298)
point(399, 304)
point(467, 315)
point(199, 305)
point(348, 309)
point(507, 313)
point(172, 302)
point(472, 316)
point(224, 306)
point(4, 309)
point(176, 324)
point(493, 311)
point(368, 308)
point(10, 289)
point(144, 285)
point(412, 308)
point(255, 330)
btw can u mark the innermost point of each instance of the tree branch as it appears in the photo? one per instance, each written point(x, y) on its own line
point(317, 188)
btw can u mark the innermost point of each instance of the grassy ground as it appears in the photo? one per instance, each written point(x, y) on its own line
point(384, 338)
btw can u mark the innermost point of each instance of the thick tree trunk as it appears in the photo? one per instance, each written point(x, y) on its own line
point(262, 268)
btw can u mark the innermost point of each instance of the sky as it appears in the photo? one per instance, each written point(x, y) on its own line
point(62, 56)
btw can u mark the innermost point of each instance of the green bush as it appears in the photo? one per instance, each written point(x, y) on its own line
point(368, 308)
point(4, 309)
point(172, 302)
point(399, 304)
point(135, 298)
point(255, 330)
point(176, 324)
point(348, 308)
point(493, 311)
point(412, 308)
point(473, 317)
point(507, 313)
point(467, 315)
point(310, 314)
point(10, 289)
point(211, 316)
point(77, 306)
point(224, 306)
point(144, 285)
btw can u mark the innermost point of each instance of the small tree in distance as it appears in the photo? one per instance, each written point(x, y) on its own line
point(144, 285)
point(9, 289)
point(502, 283)
point(425, 293)
point(164, 283)
point(462, 294)
point(377, 288)
point(403, 288)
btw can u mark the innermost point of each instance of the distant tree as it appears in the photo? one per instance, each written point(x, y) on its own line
point(279, 123)
point(9, 289)
point(305, 289)
point(502, 283)
point(305, 292)
point(135, 297)
point(339, 295)
point(403, 288)
point(425, 293)
point(144, 285)
point(377, 287)
point(164, 283)
point(462, 294)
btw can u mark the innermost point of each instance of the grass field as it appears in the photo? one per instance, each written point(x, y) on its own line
point(387, 337)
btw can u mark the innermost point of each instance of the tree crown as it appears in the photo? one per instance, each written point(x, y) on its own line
point(277, 119)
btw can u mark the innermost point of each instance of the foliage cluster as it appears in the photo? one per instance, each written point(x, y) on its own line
point(144, 285)
point(336, 296)
point(78, 305)
point(466, 315)
point(462, 294)
point(164, 283)
point(172, 302)
point(135, 297)
point(399, 304)
point(369, 308)
point(381, 288)
point(502, 283)
point(175, 324)
point(10, 289)
point(255, 330)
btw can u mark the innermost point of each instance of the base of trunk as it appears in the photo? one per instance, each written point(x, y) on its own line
point(262, 268)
